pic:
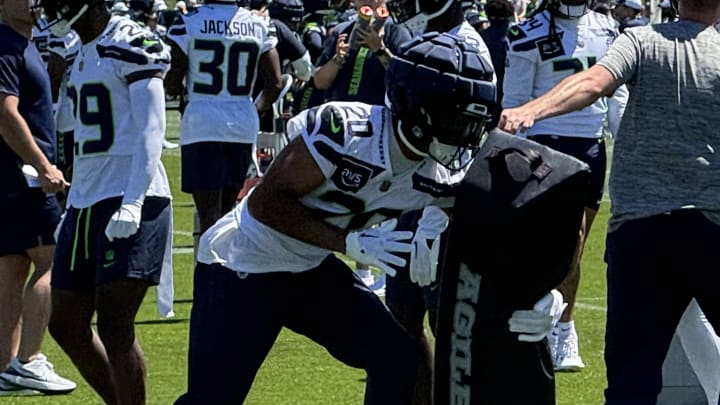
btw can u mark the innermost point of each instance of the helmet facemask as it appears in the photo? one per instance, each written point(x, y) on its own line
point(62, 15)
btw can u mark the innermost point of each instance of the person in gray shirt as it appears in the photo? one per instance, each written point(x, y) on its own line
point(664, 227)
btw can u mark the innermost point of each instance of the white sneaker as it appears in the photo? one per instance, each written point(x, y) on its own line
point(38, 374)
point(11, 390)
point(568, 354)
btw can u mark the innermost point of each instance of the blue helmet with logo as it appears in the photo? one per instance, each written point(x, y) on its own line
point(442, 95)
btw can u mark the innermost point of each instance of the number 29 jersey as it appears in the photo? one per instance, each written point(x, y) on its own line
point(351, 143)
point(223, 44)
point(99, 89)
point(537, 61)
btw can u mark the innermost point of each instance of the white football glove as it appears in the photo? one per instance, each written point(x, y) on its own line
point(125, 222)
point(426, 245)
point(56, 233)
point(374, 246)
point(533, 325)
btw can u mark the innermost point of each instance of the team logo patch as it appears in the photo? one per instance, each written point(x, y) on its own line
point(550, 47)
point(351, 175)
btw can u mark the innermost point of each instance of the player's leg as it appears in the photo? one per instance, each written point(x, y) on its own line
point(647, 294)
point(73, 305)
point(563, 340)
point(233, 325)
point(355, 327)
point(405, 300)
point(238, 158)
point(14, 269)
point(124, 269)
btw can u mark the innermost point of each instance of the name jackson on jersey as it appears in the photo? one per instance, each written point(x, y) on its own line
point(228, 27)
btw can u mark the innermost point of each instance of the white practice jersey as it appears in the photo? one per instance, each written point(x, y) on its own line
point(223, 44)
point(536, 62)
point(471, 36)
point(105, 132)
point(350, 143)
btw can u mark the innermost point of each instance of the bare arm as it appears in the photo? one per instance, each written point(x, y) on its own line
point(174, 85)
point(269, 67)
point(275, 201)
point(325, 75)
point(573, 93)
point(16, 133)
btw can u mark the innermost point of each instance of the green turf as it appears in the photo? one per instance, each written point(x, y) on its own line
point(298, 372)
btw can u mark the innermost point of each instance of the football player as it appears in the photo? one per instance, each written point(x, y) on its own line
point(111, 243)
point(225, 51)
point(408, 301)
point(561, 38)
point(349, 166)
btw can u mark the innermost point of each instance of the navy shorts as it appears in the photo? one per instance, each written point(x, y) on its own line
point(85, 258)
point(208, 166)
point(27, 220)
point(589, 150)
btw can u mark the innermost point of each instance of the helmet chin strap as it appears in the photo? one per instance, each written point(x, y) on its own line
point(407, 143)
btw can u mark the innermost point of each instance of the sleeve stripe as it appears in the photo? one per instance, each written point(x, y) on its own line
point(177, 31)
point(124, 55)
point(142, 75)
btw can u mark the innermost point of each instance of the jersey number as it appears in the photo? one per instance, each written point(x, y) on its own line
point(574, 64)
point(93, 108)
point(356, 207)
point(240, 71)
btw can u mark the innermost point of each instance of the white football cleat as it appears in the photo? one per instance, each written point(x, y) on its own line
point(567, 357)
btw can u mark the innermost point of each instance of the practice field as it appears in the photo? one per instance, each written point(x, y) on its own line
point(297, 371)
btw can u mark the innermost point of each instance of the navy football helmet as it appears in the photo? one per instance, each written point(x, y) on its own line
point(287, 11)
point(442, 96)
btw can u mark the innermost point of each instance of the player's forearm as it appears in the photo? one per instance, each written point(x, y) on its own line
point(270, 72)
point(286, 214)
point(16, 134)
point(148, 111)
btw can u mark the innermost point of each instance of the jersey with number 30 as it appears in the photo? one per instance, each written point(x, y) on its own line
point(351, 144)
point(223, 44)
point(99, 89)
point(537, 59)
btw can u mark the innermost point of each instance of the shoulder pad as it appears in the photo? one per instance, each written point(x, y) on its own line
point(134, 44)
point(329, 121)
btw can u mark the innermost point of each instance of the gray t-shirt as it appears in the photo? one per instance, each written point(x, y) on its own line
point(665, 154)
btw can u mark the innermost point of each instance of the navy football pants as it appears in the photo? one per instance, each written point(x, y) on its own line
point(235, 322)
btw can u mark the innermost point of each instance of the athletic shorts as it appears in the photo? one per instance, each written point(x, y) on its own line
point(589, 150)
point(208, 166)
point(85, 258)
point(27, 220)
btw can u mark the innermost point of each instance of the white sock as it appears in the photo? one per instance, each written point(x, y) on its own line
point(363, 273)
point(566, 327)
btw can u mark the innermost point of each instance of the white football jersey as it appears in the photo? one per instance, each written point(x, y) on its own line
point(223, 44)
point(351, 143)
point(536, 62)
point(105, 132)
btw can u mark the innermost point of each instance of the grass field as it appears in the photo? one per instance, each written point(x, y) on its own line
point(298, 372)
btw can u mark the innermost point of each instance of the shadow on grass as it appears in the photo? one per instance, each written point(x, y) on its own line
point(162, 321)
